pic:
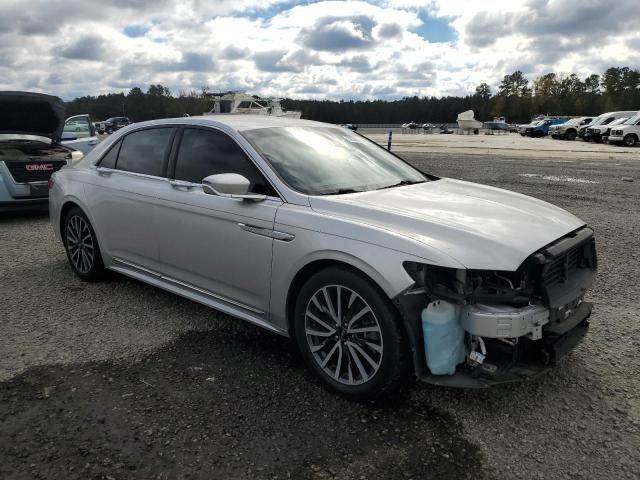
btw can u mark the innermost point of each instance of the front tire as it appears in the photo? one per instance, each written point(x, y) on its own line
point(630, 140)
point(81, 245)
point(350, 335)
point(570, 135)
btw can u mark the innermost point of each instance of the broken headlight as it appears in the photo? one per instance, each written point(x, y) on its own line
point(462, 286)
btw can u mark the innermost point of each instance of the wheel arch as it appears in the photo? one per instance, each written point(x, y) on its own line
point(67, 206)
point(311, 268)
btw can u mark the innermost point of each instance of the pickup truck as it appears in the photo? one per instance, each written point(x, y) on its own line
point(569, 129)
point(541, 129)
point(626, 134)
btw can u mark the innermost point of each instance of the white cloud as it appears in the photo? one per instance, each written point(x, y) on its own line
point(327, 49)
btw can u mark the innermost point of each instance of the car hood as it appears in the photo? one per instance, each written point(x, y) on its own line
point(27, 113)
point(481, 227)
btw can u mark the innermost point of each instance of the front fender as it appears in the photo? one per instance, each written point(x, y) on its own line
point(317, 238)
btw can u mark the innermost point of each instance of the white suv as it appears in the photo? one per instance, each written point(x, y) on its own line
point(628, 133)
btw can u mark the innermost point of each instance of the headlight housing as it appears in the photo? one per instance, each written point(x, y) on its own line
point(462, 286)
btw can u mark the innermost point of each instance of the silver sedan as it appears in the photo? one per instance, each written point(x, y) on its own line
point(378, 271)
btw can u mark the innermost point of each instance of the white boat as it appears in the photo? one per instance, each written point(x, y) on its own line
point(498, 123)
point(236, 103)
point(467, 122)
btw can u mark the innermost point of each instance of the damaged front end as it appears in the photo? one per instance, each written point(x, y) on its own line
point(472, 328)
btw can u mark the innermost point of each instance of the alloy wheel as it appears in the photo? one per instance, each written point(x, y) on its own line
point(343, 335)
point(80, 244)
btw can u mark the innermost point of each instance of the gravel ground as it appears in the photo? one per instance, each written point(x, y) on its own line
point(121, 380)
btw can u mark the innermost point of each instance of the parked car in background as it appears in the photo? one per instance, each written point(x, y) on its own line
point(523, 127)
point(377, 270)
point(569, 129)
point(79, 133)
point(541, 129)
point(113, 124)
point(604, 119)
point(35, 141)
point(601, 132)
point(626, 134)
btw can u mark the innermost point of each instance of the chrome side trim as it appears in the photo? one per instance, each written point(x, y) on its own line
point(265, 232)
point(189, 286)
point(137, 267)
point(213, 295)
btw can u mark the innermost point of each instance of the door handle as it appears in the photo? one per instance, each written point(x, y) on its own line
point(104, 172)
point(92, 143)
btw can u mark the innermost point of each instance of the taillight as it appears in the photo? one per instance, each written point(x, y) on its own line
point(52, 181)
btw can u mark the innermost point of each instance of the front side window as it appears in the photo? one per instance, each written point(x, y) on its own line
point(145, 151)
point(210, 152)
point(329, 160)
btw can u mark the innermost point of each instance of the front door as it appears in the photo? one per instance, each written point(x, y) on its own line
point(219, 245)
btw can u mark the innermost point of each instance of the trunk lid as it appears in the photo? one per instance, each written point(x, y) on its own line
point(28, 113)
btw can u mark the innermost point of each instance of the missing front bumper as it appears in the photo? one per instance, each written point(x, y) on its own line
point(523, 360)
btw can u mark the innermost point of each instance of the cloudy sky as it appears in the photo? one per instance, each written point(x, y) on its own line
point(326, 49)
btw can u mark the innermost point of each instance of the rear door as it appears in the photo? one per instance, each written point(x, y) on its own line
point(218, 245)
point(123, 196)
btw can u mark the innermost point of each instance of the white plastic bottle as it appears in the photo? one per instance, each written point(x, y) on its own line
point(443, 337)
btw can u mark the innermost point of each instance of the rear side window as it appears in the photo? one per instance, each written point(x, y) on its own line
point(209, 152)
point(109, 160)
point(145, 151)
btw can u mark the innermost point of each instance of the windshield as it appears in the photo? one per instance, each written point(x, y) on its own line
point(618, 121)
point(328, 160)
point(602, 119)
point(633, 120)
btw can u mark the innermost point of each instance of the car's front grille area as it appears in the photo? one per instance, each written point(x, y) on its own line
point(560, 269)
point(568, 267)
point(29, 172)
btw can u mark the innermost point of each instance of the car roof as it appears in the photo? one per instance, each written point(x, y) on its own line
point(237, 122)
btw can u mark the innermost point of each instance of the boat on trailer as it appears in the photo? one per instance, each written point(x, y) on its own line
point(467, 122)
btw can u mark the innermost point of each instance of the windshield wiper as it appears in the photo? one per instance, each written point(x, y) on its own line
point(341, 191)
point(401, 183)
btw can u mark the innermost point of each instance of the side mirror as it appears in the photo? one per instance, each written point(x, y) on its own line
point(230, 185)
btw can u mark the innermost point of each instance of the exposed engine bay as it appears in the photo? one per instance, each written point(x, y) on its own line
point(508, 325)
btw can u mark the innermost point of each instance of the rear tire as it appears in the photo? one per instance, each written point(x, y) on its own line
point(81, 245)
point(630, 140)
point(350, 335)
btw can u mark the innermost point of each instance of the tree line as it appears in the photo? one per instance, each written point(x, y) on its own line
point(517, 98)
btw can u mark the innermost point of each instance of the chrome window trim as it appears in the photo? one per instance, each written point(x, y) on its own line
point(100, 169)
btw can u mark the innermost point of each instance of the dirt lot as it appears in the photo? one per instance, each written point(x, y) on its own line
point(120, 380)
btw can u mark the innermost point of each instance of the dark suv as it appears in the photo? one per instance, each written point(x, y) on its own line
point(112, 124)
